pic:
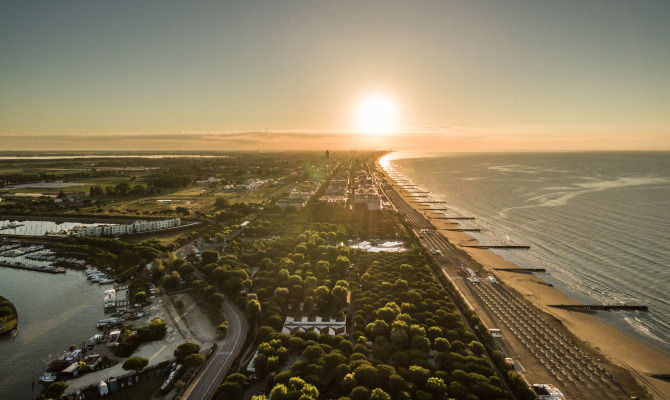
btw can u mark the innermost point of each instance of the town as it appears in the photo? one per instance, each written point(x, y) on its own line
point(268, 276)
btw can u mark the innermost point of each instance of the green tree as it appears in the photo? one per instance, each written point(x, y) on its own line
point(230, 390)
point(135, 363)
point(185, 349)
point(279, 392)
point(157, 329)
point(477, 348)
point(209, 256)
point(360, 393)
point(193, 360)
point(379, 394)
point(220, 203)
point(322, 268)
point(140, 297)
point(56, 390)
point(172, 280)
point(314, 352)
point(253, 309)
point(418, 375)
point(437, 387)
point(366, 375)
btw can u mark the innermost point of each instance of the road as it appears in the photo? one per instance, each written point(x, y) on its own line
point(215, 369)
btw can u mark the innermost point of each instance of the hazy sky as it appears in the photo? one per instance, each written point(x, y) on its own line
point(462, 74)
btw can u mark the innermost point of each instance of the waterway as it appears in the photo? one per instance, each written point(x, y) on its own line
point(55, 312)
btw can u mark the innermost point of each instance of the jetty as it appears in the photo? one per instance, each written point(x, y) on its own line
point(600, 307)
point(496, 246)
point(521, 270)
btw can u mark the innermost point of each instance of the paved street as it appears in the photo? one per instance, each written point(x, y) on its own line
point(215, 369)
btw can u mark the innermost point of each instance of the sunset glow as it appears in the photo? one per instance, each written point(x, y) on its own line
point(376, 115)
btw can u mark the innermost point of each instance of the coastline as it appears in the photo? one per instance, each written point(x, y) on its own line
point(620, 349)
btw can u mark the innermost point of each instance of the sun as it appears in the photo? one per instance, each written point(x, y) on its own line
point(376, 115)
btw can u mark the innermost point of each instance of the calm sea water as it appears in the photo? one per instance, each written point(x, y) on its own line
point(598, 222)
point(55, 311)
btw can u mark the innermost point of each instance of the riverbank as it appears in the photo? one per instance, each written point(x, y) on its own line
point(638, 358)
point(9, 318)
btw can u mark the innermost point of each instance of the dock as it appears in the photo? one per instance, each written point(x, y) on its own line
point(433, 209)
point(452, 217)
point(50, 270)
point(600, 307)
point(463, 229)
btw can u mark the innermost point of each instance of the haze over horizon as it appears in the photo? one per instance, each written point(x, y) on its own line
point(462, 76)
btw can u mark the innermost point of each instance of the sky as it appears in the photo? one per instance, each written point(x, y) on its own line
point(217, 75)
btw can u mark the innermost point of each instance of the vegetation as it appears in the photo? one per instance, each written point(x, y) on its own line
point(130, 340)
point(8, 316)
point(185, 349)
point(55, 390)
point(407, 337)
point(135, 363)
point(408, 331)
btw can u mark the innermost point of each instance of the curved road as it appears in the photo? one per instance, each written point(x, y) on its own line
point(217, 365)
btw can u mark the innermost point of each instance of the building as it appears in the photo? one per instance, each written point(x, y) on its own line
point(126, 229)
point(369, 197)
point(327, 326)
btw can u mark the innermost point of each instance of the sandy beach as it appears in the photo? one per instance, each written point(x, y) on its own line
point(600, 339)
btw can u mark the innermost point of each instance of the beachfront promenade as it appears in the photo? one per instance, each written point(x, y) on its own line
point(541, 352)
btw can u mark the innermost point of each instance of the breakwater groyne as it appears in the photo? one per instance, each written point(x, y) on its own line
point(600, 307)
point(522, 270)
point(497, 246)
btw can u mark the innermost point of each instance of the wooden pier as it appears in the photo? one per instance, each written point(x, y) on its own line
point(452, 217)
point(433, 209)
point(463, 229)
point(599, 307)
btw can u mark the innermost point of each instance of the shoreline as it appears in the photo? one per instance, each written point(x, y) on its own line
point(620, 349)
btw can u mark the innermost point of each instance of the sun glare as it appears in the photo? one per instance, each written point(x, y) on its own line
point(376, 115)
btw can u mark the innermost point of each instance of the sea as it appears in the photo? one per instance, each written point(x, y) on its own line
point(599, 222)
